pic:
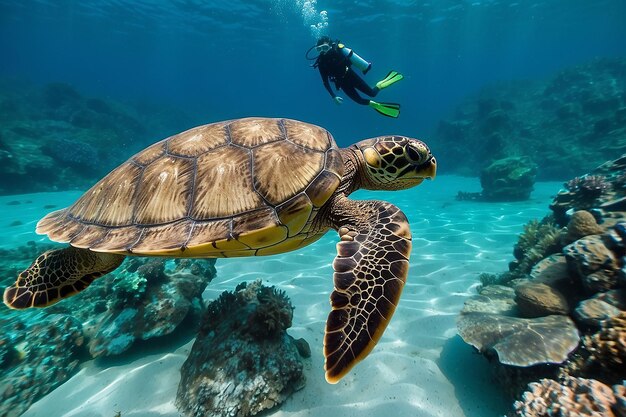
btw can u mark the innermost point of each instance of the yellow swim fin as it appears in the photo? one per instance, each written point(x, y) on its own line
point(391, 78)
point(386, 109)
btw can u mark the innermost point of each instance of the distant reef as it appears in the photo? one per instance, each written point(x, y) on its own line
point(52, 137)
point(566, 125)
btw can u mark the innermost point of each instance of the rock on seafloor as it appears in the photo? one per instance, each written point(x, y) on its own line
point(508, 179)
point(41, 348)
point(145, 299)
point(243, 361)
point(151, 302)
point(37, 353)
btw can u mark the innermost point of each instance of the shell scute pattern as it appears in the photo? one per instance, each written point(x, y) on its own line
point(199, 140)
point(250, 133)
point(301, 164)
point(150, 154)
point(223, 184)
point(107, 202)
point(307, 135)
point(222, 189)
point(164, 192)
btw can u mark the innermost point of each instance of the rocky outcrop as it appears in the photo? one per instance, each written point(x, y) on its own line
point(145, 299)
point(566, 299)
point(550, 121)
point(507, 179)
point(52, 137)
point(37, 353)
point(243, 361)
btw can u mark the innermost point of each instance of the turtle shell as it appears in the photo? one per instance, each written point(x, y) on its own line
point(236, 188)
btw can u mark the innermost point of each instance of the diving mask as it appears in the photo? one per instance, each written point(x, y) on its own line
point(323, 48)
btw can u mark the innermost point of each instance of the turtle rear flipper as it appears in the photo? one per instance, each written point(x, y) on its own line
point(57, 274)
point(370, 271)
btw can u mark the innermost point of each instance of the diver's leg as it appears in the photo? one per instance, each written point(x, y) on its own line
point(351, 92)
point(361, 85)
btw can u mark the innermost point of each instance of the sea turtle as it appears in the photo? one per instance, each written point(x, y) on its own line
point(247, 187)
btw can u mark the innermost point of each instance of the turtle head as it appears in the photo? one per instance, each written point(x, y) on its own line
point(395, 162)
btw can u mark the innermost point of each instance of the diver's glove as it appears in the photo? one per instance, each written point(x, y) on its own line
point(338, 100)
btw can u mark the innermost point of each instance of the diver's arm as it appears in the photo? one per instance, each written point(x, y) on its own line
point(324, 75)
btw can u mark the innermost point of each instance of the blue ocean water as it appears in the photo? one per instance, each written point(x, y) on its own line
point(224, 60)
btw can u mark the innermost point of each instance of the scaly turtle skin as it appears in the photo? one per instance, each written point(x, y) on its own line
point(247, 187)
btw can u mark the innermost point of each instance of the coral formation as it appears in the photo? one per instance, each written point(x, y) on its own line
point(52, 137)
point(273, 314)
point(581, 224)
point(535, 299)
point(590, 187)
point(35, 358)
point(550, 121)
point(608, 345)
point(507, 179)
point(606, 205)
point(602, 306)
point(145, 304)
point(571, 397)
point(539, 240)
point(593, 263)
point(570, 268)
point(146, 298)
point(267, 368)
point(519, 341)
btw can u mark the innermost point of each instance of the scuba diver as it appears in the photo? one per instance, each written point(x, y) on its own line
point(335, 62)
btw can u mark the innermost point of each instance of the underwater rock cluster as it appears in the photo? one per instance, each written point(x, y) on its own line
point(52, 137)
point(507, 179)
point(554, 325)
point(552, 122)
point(243, 361)
point(37, 353)
point(146, 299)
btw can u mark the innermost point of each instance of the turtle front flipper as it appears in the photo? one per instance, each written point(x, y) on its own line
point(57, 274)
point(370, 271)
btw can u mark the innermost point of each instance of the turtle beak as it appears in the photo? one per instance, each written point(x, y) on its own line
point(427, 170)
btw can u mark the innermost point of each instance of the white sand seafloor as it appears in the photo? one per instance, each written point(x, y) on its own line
point(419, 368)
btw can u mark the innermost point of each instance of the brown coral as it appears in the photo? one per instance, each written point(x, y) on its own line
point(580, 225)
point(573, 397)
point(608, 346)
point(536, 299)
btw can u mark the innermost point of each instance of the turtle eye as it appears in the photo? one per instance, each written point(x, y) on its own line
point(414, 155)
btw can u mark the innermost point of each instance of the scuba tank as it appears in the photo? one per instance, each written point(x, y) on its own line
point(355, 59)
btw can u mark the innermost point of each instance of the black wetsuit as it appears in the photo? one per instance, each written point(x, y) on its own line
point(334, 66)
